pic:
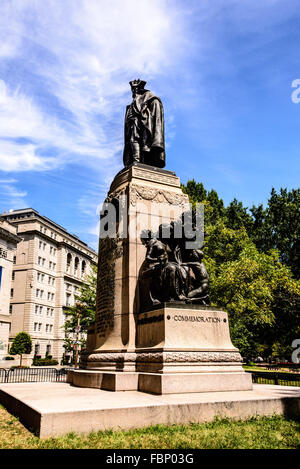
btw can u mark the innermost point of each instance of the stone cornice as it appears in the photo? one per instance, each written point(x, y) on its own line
point(5, 318)
point(8, 236)
point(146, 173)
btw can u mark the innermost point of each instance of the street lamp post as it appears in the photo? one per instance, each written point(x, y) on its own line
point(77, 330)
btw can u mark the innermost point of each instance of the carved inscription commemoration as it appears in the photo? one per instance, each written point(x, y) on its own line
point(109, 251)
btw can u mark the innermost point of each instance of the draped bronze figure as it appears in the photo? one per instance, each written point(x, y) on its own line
point(144, 128)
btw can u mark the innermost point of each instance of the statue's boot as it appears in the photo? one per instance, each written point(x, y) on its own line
point(136, 153)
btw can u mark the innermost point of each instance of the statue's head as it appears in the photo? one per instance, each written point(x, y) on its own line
point(137, 86)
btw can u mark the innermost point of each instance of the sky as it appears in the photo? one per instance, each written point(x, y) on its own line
point(224, 69)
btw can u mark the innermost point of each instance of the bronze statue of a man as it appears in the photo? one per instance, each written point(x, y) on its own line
point(144, 128)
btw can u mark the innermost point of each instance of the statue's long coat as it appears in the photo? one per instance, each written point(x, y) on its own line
point(148, 129)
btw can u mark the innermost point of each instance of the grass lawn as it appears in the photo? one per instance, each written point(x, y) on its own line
point(265, 370)
point(262, 433)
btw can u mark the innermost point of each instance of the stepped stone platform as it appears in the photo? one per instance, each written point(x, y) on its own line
point(53, 409)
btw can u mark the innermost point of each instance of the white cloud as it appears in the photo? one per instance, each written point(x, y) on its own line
point(82, 54)
point(10, 196)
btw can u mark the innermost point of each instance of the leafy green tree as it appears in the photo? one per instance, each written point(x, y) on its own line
point(258, 291)
point(217, 206)
point(237, 216)
point(213, 205)
point(278, 227)
point(195, 191)
point(275, 227)
point(87, 299)
point(22, 344)
point(253, 259)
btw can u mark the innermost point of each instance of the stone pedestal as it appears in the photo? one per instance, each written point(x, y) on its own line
point(184, 348)
point(173, 347)
point(145, 197)
point(180, 339)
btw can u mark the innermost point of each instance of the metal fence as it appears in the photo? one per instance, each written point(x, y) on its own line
point(38, 375)
point(33, 375)
point(282, 379)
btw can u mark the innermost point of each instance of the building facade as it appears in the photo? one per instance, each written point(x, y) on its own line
point(8, 244)
point(49, 266)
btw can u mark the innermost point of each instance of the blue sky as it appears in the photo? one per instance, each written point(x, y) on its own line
point(223, 69)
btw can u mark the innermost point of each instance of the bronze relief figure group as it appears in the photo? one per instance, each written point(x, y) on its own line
point(170, 272)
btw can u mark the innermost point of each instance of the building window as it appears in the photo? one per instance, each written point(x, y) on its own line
point(14, 260)
point(69, 260)
point(35, 326)
point(48, 350)
point(36, 309)
point(40, 277)
point(68, 299)
point(11, 292)
point(10, 309)
point(37, 349)
point(12, 276)
point(76, 265)
point(83, 268)
point(40, 326)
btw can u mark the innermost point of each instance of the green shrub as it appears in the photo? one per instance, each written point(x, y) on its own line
point(18, 366)
point(44, 362)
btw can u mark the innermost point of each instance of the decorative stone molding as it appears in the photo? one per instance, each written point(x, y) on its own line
point(147, 175)
point(115, 357)
point(168, 179)
point(116, 194)
point(156, 195)
point(165, 357)
point(187, 357)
